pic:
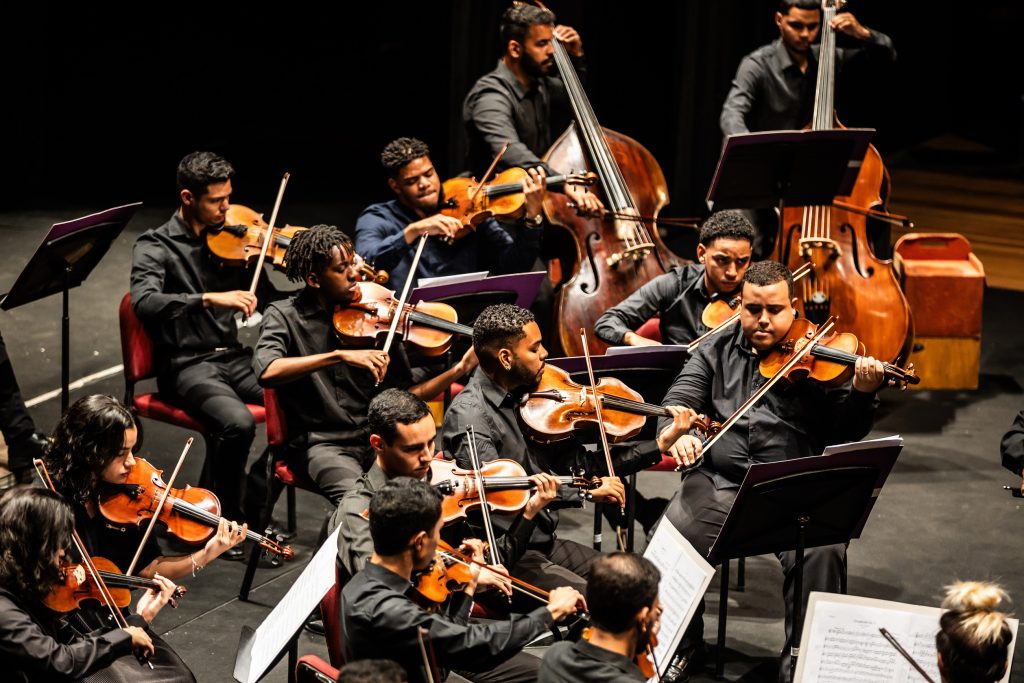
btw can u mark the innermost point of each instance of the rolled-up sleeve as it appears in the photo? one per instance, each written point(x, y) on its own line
point(274, 341)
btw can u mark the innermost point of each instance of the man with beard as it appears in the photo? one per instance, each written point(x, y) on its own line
point(387, 233)
point(324, 387)
point(523, 100)
point(508, 344)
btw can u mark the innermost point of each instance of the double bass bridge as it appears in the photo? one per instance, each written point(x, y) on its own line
point(634, 254)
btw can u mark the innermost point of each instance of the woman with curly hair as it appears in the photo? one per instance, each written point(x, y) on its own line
point(35, 532)
point(974, 638)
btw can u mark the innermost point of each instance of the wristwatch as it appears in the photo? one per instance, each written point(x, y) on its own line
point(536, 221)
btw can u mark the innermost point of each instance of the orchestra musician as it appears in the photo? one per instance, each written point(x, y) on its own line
point(386, 233)
point(973, 641)
point(188, 302)
point(786, 423)
point(680, 296)
point(379, 620)
point(1011, 448)
point(23, 441)
point(508, 344)
point(625, 613)
point(325, 387)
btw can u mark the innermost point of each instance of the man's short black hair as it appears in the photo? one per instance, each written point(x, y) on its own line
point(517, 20)
point(399, 510)
point(391, 407)
point(498, 326)
point(729, 225)
point(398, 153)
point(620, 585)
point(786, 5)
point(309, 252)
point(764, 273)
point(198, 170)
point(372, 671)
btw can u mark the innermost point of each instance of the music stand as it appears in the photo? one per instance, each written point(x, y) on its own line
point(471, 297)
point(799, 504)
point(64, 259)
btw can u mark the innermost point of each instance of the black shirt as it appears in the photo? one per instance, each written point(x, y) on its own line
point(492, 412)
point(769, 92)
point(581, 662)
point(1012, 446)
point(329, 405)
point(379, 621)
point(171, 270)
point(499, 108)
point(788, 422)
point(679, 295)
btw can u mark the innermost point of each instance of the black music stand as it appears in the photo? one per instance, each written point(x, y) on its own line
point(799, 504)
point(63, 260)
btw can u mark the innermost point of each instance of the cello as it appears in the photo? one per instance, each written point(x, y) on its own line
point(848, 281)
point(613, 257)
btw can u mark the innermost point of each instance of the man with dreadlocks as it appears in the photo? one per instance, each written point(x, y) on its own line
point(324, 388)
point(386, 233)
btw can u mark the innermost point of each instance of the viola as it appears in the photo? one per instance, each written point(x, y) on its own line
point(444, 576)
point(77, 586)
point(505, 483)
point(427, 326)
point(189, 514)
point(502, 198)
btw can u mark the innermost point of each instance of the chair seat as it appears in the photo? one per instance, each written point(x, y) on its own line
point(294, 477)
point(155, 408)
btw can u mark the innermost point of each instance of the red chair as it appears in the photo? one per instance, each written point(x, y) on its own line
point(330, 612)
point(137, 356)
point(651, 329)
point(312, 669)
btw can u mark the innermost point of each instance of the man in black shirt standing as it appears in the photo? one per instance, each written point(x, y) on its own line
point(379, 620)
point(681, 295)
point(324, 387)
point(788, 422)
point(189, 301)
point(625, 613)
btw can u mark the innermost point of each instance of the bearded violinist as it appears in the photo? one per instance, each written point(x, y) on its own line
point(786, 423)
point(324, 387)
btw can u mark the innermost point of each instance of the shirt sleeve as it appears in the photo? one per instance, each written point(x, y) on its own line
point(355, 545)
point(741, 97)
point(147, 284)
point(506, 253)
point(380, 240)
point(637, 308)
point(1012, 446)
point(274, 342)
point(878, 44)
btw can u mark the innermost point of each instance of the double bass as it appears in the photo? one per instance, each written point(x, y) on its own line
point(615, 255)
point(848, 281)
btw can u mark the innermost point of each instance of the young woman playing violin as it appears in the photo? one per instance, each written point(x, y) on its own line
point(37, 643)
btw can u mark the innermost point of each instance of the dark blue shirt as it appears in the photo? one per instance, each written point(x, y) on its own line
point(381, 241)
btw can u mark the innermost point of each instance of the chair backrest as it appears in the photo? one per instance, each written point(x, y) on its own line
point(650, 329)
point(312, 669)
point(136, 346)
point(277, 428)
point(330, 612)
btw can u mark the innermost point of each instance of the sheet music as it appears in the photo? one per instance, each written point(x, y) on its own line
point(451, 279)
point(287, 617)
point(664, 348)
point(685, 576)
point(884, 442)
point(841, 642)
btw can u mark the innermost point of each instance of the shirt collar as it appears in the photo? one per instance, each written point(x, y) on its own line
point(179, 228)
point(308, 304)
point(742, 343)
point(493, 392)
point(505, 74)
point(387, 577)
point(784, 61)
point(587, 648)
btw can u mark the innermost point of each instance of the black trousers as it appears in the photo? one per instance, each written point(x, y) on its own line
point(698, 511)
point(15, 422)
point(563, 563)
point(215, 392)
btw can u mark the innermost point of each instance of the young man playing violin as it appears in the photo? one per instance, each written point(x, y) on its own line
point(680, 296)
point(402, 435)
point(791, 422)
point(379, 620)
point(387, 233)
point(325, 387)
point(508, 344)
point(188, 301)
point(625, 613)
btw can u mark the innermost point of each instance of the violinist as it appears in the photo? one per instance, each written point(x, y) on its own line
point(380, 621)
point(681, 295)
point(508, 344)
point(324, 387)
point(386, 233)
point(625, 613)
point(786, 423)
point(402, 435)
point(523, 100)
point(188, 302)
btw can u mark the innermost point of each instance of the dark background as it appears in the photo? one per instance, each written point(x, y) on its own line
point(102, 101)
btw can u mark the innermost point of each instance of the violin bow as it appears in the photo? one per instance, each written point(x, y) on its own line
point(432, 673)
point(267, 237)
point(159, 507)
point(484, 510)
point(397, 314)
point(523, 587)
point(490, 171)
point(107, 598)
point(604, 434)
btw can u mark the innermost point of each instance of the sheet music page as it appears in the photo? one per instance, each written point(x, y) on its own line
point(884, 442)
point(685, 576)
point(451, 279)
point(287, 617)
point(841, 642)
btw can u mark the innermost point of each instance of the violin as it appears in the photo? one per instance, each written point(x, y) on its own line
point(77, 586)
point(830, 360)
point(505, 482)
point(502, 198)
point(427, 326)
point(189, 514)
point(444, 576)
